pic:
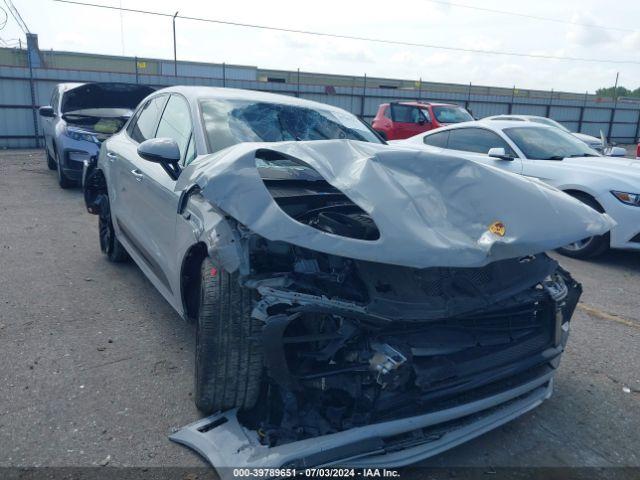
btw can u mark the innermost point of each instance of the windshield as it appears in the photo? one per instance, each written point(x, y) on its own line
point(550, 123)
point(228, 122)
point(543, 143)
point(451, 114)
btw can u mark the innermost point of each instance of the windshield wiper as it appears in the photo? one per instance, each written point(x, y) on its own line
point(555, 157)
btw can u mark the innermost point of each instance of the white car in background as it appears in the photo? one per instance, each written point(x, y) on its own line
point(594, 142)
point(610, 185)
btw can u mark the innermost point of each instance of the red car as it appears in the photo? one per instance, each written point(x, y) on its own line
point(638, 152)
point(399, 120)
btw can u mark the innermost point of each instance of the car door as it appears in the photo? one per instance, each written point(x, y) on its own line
point(135, 187)
point(474, 143)
point(408, 120)
point(152, 191)
point(48, 122)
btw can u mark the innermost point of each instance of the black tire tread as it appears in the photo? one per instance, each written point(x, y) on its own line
point(114, 250)
point(228, 360)
point(51, 163)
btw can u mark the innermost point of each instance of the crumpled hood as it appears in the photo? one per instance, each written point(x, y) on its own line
point(431, 210)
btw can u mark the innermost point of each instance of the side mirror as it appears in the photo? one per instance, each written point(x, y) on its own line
point(422, 121)
point(164, 151)
point(616, 152)
point(46, 112)
point(499, 153)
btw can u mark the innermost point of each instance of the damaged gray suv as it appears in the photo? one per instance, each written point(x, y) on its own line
point(355, 303)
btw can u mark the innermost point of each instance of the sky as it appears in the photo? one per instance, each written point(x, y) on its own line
point(85, 29)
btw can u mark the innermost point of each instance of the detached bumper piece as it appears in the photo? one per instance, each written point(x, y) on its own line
point(226, 444)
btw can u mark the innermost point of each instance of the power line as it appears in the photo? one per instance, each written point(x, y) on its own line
point(16, 16)
point(3, 22)
point(534, 17)
point(363, 39)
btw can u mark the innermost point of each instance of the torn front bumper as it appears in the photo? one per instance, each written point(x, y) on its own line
point(227, 445)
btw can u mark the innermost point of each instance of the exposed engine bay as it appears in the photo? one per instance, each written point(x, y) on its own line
point(102, 121)
point(349, 342)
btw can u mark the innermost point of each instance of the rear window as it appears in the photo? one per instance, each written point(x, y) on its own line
point(407, 114)
point(450, 114)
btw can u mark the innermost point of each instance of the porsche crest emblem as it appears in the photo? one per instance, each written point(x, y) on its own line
point(498, 228)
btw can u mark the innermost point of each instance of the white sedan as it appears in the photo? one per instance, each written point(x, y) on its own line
point(593, 142)
point(610, 185)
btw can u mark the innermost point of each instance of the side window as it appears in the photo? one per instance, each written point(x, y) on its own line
point(437, 139)
point(406, 114)
point(476, 140)
point(176, 123)
point(387, 112)
point(144, 126)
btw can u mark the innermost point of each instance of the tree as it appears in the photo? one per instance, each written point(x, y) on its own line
point(619, 92)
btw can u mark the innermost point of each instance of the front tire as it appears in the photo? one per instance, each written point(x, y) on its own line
point(228, 364)
point(588, 247)
point(51, 163)
point(64, 181)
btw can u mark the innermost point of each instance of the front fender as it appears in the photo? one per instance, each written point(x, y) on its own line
point(201, 222)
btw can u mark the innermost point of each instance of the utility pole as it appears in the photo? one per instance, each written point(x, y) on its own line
point(175, 51)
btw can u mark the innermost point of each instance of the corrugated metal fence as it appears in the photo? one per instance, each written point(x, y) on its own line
point(21, 94)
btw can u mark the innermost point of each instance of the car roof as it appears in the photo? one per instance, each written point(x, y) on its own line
point(69, 85)
point(195, 93)
point(486, 123)
point(507, 115)
point(424, 104)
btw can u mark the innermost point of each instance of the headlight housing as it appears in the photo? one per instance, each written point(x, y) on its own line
point(627, 198)
point(81, 135)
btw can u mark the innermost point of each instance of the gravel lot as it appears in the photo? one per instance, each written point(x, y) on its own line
point(97, 368)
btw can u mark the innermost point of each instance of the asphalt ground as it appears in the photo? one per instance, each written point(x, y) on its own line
point(97, 369)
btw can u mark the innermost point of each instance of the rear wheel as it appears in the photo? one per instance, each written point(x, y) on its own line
point(228, 364)
point(109, 243)
point(591, 246)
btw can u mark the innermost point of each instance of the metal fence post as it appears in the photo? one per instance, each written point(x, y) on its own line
point(33, 100)
point(136, 60)
point(549, 105)
point(584, 105)
point(513, 92)
point(298, 84)
point(420, 89)
point(224, 74)
point(364, 97)
point(613, 110)
point(468, 100)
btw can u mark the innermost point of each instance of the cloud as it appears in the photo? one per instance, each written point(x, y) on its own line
point(586, 36)
point(631, 42)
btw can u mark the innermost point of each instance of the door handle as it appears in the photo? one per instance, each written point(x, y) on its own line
point(138, 174)
point(111, 156)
